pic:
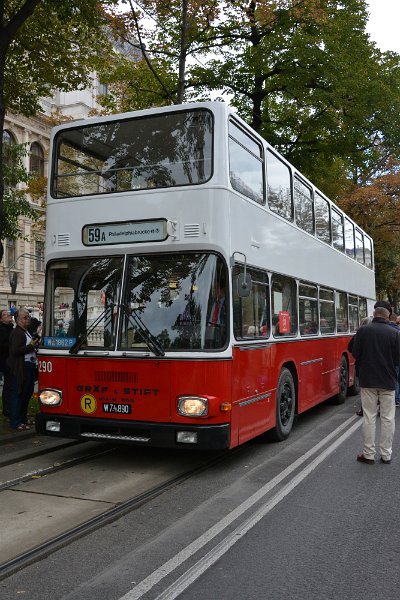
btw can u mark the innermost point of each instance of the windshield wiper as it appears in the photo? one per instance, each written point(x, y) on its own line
point(143, 331)
point(83, 337)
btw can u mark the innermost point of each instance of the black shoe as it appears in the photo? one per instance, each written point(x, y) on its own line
point(368, 461)
point(386, 461)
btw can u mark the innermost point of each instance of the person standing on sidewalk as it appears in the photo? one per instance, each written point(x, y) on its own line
point(6, 327)
point(393, 323)
point(22, 362)
point(376, 349)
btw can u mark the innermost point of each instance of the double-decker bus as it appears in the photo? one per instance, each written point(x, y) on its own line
point(199, 290)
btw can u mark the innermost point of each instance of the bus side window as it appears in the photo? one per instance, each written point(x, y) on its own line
point(279, 187)
point(251, 314)
point(337, 230)
point(304, 206)
point(362, 309)
point(327, 311)
point(322, 219)
point(246, 168)
point(353, 313)
point(349, 239)
point(368, 252)
point(342, 320)
point(284, 306)
point(308, 309)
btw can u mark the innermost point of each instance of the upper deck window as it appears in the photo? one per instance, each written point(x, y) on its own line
point(359, 246)
point(245, 164)
point(368, 252)
point(337, 230)
point(160, 151)
point(349, 238)
point(322, 219)
point(279, 187)
point(304, 206)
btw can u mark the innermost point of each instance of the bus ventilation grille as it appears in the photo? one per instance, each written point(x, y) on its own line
point(191, 230)
point(116, 377)
point(63, 239)
point(116, 433)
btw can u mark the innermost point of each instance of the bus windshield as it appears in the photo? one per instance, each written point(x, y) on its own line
point(169, 302)
point(158, 151)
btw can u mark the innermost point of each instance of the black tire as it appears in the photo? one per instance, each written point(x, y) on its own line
point(285, 406)
point(354, 389)
point(343, 382)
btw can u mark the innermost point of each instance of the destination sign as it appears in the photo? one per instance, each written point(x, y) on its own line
point(126, 232)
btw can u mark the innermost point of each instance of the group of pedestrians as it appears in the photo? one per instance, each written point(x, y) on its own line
point(376, 348)
point(18, 346)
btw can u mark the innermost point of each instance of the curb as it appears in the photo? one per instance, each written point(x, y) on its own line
point(5, 438)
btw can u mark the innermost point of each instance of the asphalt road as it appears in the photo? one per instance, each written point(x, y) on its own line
point(300, 520)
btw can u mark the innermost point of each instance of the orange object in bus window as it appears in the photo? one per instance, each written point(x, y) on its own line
point(284, 321)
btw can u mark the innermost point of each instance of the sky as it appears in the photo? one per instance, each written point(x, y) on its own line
point(383, 25)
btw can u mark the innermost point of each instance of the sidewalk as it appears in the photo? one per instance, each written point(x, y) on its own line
point(9, 435)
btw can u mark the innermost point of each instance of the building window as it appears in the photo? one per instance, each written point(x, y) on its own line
point(36, 160)
point(8, 141)
point(39, 256)
point(8, 138)
point(102, 89)
point(10, 253)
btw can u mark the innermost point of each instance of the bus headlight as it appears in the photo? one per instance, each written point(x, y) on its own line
point(192, 406)
point(50, 397)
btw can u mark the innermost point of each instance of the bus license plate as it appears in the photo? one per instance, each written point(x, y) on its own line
point(121, 409)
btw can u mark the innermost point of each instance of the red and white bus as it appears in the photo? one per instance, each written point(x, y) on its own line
point(199, 290)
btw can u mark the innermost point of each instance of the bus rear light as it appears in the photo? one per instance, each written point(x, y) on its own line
point(186, 437)
point(50, 397)
point(225, 407)
point(192, 406)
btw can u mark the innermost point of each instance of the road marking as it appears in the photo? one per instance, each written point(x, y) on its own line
point(202, 565)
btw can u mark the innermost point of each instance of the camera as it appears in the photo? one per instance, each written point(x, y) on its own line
point(36, 337)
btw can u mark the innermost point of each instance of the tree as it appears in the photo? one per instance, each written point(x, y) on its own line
point(167, 35)
point(306, 76)
point(376, 208)
point(16, 203)
point(44, 45)
point(303, 73)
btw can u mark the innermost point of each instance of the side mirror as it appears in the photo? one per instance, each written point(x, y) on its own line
point(244, 285)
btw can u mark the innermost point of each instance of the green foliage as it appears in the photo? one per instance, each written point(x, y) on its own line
point(302, 72)
point(55, 48)
point(17, 181)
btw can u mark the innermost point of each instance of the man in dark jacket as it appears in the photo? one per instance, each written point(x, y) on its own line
point(376, 348)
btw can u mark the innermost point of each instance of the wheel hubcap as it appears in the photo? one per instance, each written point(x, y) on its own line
point(285, 404)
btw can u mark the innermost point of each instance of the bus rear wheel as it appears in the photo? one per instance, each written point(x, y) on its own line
point(343, 382)
point(285, 406)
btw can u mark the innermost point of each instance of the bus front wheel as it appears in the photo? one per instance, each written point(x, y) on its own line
point(285, 406)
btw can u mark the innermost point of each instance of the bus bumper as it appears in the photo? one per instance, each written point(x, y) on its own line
point(200, 437)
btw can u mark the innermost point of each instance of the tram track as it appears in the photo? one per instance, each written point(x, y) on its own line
point(58, 466)
point(29, 453)
point(106, 517)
